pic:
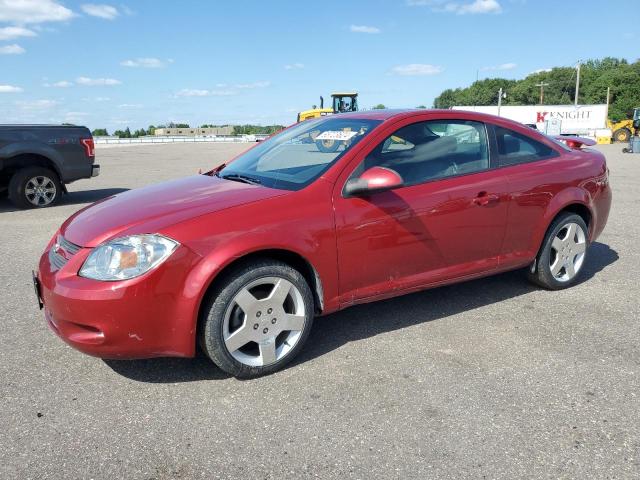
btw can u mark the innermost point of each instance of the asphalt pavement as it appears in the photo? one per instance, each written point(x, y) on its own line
point(492, 378)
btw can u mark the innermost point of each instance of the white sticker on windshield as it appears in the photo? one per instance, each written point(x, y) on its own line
point(336, 135)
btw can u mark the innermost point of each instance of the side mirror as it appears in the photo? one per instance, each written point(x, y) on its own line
point(376, 179)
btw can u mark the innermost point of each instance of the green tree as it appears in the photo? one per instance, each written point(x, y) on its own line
point(379, 106)
point(256, 129)
point(100, 132)
point(622, 77)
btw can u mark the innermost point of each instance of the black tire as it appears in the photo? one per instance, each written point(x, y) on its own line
point(20, 196)
point(622, 135)
point(540, 271)
point(327, 146)
point(212, 324)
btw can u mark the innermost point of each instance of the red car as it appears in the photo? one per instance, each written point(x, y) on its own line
point(329, 213)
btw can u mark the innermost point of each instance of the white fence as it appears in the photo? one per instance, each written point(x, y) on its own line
point(219, 138)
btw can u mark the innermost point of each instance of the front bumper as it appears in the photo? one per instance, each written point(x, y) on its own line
point(144, 317)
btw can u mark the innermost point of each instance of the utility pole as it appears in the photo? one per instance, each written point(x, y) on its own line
point(608, 100)
point(500, 97)
point(575, 102)
point(542, 85)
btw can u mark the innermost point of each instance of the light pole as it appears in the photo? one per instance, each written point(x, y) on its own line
point(575, 102)
point(501, 95)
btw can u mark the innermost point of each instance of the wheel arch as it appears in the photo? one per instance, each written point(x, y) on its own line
point(294, 259)
point(9, 166)
point(574, 200)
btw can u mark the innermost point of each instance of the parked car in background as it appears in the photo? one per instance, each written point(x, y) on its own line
point(38, 161)
point(240, 260)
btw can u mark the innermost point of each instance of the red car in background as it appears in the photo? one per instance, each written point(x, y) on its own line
point(241, 259)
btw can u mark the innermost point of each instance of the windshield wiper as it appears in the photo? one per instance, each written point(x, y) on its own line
point(241, 178)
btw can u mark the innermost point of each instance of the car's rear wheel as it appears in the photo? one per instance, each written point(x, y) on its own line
point(258, 319)
point(34, 187)
point(563, 253)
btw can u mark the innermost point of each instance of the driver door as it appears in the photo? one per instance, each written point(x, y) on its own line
point(447, 221)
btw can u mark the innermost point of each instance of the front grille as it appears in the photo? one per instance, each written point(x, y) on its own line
point(61, 252)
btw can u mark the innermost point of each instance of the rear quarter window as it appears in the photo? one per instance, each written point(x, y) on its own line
point(515, 148)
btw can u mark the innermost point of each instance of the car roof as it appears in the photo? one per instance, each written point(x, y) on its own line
point(398, 114)
point(386, 114)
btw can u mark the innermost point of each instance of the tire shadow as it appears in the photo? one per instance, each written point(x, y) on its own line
point(71, 198)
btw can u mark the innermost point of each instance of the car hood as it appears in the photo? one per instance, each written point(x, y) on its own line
point(149, 209)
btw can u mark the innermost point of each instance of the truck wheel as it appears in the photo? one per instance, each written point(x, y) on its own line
point(622, 135)
point(327, 146)
point(34, 187)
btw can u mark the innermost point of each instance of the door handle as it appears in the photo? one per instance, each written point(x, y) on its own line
point(484, 198)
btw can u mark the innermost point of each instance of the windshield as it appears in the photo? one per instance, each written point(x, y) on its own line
point(294, 158)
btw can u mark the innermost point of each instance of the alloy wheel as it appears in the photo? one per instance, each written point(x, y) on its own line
point(40, 191)
point(567, 252)
point(264, 321)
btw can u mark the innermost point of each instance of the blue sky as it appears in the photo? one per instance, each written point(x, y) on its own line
point(151, 62)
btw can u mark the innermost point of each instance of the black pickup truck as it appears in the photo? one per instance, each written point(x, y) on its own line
point(37, 161)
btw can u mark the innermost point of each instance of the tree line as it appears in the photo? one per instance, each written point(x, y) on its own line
point(237, 130)
point(557, 86)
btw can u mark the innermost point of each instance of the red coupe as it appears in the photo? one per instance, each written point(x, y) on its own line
point(329, 213)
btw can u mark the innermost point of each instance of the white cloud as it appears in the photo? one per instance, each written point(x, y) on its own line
point(540, 70)
point(294, 66)
point(36, 104)
point(459, 8)
point(253, 85)
point(130, 105)
point(191, 92)
point(364, 29)
point(10, 89)
point(75, 117)
point(147, 62)
point(100, 10)
point(416, 69)
point(97, 82)
point(60, 84)
point(33, 11)
point(13, 49)
point(8, 33)
point(503, 66)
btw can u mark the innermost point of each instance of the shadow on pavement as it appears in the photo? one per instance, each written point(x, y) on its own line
point(89, 196)
point(168, 370)
point(363, 321)
point(71, 198)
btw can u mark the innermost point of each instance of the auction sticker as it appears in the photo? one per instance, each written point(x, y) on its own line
point(336, 135)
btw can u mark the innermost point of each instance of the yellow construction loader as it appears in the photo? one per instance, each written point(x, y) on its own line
point(624, 129)
point(340, 102)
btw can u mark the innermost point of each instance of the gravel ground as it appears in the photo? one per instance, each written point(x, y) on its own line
point(486, 379)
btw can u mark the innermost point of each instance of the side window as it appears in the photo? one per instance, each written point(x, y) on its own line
point(430, 150)
point(515, 148)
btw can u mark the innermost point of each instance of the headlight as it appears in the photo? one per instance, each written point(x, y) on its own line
point(127, 257)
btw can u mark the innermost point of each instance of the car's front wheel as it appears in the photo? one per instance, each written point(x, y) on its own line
point(563, 253)
point(257, 319)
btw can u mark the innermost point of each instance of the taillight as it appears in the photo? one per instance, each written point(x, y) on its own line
point(89, 146)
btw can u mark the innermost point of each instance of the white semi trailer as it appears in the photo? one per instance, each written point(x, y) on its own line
point(586, 120)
